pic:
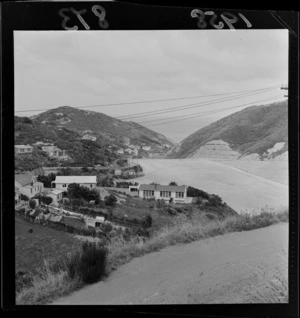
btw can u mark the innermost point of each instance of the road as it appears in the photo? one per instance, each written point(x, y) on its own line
point(244, 267)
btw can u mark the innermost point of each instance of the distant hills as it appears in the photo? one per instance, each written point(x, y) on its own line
point(103, 127)
point(257, 132)
point(88, 137)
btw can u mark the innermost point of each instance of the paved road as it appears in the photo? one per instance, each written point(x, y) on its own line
point(244, 267)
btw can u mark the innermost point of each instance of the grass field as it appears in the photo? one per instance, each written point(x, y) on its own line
point(43, 243)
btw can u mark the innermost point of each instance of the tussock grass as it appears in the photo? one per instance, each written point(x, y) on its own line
point(61, 278)
point(122, 251)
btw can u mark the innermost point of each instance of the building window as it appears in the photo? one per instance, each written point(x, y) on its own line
point(91, 185)
point(64, 185)
point(179, 194)
point(148, 193)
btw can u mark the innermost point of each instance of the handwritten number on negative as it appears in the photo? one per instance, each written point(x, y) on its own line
point(228, 18)
point(98, 11)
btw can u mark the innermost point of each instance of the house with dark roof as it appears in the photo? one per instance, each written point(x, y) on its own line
point(28, 185)
point(165, 192)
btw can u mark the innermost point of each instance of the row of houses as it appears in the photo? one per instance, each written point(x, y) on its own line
point(28, 185)
point(51, 150)
point(133, 150)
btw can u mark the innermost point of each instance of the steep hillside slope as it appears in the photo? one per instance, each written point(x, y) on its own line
point(258, 131)
point(101, 126)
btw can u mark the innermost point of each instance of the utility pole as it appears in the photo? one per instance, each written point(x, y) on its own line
point(285, 87)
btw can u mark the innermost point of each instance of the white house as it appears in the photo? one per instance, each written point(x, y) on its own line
point(120, 152)
point(62, 182)
point(128, 150)
point(165, 192)
point(27, 184)
point(118, 172)
point(56, 195)
point(23, 149)
point(95, 222)
point(146, 148)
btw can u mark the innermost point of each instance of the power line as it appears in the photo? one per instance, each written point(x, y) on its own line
point(142, 102)
point(211, 112)
point(189, 106)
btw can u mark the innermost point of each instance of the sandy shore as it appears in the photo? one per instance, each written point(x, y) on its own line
point(242, 190)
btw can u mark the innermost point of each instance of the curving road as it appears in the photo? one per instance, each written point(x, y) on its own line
point(244, 267)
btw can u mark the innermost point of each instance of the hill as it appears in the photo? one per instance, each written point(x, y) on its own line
point(102, 127)
point(257, 132)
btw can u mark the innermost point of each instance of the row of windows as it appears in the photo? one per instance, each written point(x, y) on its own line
point(163, 194)
point(148, 193)
point(39, 188)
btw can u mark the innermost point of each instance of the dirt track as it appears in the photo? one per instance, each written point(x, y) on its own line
point(245, 267)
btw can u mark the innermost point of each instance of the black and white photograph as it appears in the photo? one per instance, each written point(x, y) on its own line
point(151, 166)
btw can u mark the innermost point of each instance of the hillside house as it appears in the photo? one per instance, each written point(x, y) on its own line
point(62, 182)
point(128, 150)
point(146, 148)
point(28, 185)
point(89, 137)
point(56, 195)
point(23, 149)
point(165, 192)
point(120, 152)
point(118, 172)
point(54, 152)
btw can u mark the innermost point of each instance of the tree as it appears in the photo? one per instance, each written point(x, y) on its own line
point(110, 200)
point(173, 183)
point(32, 204)
point(46, 200)
point(24, 197)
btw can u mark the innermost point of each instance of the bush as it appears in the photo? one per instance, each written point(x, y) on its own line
point(46, 200)
point(24, 197)
point(90, 264)
point(193, 192)
point(107, 227)
point(32, 204)
point(110, 200)
point(148, 221)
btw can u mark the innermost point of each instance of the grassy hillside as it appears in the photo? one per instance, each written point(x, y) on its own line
point(252, 130)
point(103, 126)
point(82, 152)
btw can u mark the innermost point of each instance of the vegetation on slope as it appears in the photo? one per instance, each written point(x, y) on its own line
point(252, 130)
point(64, 276)
point(103, 126)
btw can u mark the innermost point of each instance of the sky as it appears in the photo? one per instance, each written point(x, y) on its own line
point(84, 68)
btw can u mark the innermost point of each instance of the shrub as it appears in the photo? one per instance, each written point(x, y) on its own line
point(160, 203)
point(173, 183)
point(107, 227)
point(110, 200)
point(24, 197)
point(148, 221)
point(46, 200)
point(90, 264)
point(194, 192)
point(32, 204)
